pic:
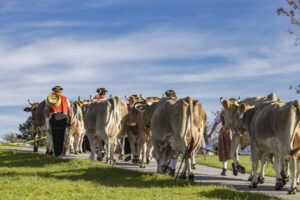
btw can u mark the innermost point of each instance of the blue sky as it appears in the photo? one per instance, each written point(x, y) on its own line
point(200, 48)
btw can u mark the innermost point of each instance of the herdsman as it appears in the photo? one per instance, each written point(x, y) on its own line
point(224, 141)
point(59, 120)
point(101, 93)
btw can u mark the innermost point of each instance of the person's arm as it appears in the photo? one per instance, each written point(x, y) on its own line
point(212, 130)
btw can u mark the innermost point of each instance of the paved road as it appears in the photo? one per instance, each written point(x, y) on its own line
point(203, 174)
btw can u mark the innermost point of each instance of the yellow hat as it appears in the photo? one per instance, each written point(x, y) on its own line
point(53, 100)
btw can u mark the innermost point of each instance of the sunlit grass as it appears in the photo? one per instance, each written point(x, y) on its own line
point(34, 176)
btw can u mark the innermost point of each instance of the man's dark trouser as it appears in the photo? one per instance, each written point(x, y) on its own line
point(58, 124)
point(86, 144)
point(127, 147)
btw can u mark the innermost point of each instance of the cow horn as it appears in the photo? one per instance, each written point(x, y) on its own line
point(143, 97)
point(80, 100)
point(126, 98)
point(221, 99)
point(30, 102)
point(91, 97)
point(110, 96)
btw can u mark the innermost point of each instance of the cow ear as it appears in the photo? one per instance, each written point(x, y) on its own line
point(243, 107)
point(27, 109)
point(225, 104)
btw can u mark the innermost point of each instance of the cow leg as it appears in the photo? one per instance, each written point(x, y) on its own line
point(142, 152)
point(112, 151)
point(100, 149)
point(92, 145)
point(35, 143)
point(277, 167)
point(254, 168)
point(298, 172)
point(293, 168)
point(133, 151)
point(121, 157)
point(71, 144)
point(149, 151)
point(193, 160)
point(80, 143)
point(76, 144)
point(233, 149)
point(261, 176)
point(158, 155)
point(50, 148)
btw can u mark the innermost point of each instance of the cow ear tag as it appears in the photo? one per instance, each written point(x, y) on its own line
point(241, 116)
point(141, 107)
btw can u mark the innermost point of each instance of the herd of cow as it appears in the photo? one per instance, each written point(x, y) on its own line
point(169, 124)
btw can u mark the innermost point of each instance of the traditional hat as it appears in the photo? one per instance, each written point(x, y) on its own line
point(53, 100)
point(100, 90)
point(57, 88)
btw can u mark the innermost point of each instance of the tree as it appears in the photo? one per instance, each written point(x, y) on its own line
point(10, 137)
point(26, 129)
point(293, 7)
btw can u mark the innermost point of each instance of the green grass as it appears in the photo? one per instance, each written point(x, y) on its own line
point(213, 161)
point(34, 176)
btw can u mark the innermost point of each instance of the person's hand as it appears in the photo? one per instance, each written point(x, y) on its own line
point(209, 136)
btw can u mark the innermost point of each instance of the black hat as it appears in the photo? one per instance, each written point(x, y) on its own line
point(100, 90)
point(57, 88)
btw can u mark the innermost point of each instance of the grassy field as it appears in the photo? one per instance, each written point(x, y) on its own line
point(213, 161)
point(34, 176)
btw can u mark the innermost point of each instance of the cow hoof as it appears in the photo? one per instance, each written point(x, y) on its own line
point(191, 177)
point(100, 158)
point(298, 183)
point(147, 161)
point(35, 149)
point(182, 176)
point(279, 186)
point(250, 178)
point(194, 166)
point(253, 185)
point(121, 157)
point(260, 180)
point(79, 151)
point(235, 171)
point(143, 165)
point(76, 152)
point(292, 191)
point(241, 169)
point(164, 169)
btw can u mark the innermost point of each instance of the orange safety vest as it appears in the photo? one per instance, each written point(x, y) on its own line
point(63, 107)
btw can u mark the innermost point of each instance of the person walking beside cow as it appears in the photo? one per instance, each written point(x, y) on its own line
point(224, 141)
point(60, 119)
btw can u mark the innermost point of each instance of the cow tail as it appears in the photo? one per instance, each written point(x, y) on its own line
point(294, 151)
point(297, 105)
point(191, 143)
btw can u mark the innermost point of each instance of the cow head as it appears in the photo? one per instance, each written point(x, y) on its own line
point(133, 99)
point(32, 108)
point(233, 112)
point(148, 108)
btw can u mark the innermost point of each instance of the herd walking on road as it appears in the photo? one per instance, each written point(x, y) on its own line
point(165, 127)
